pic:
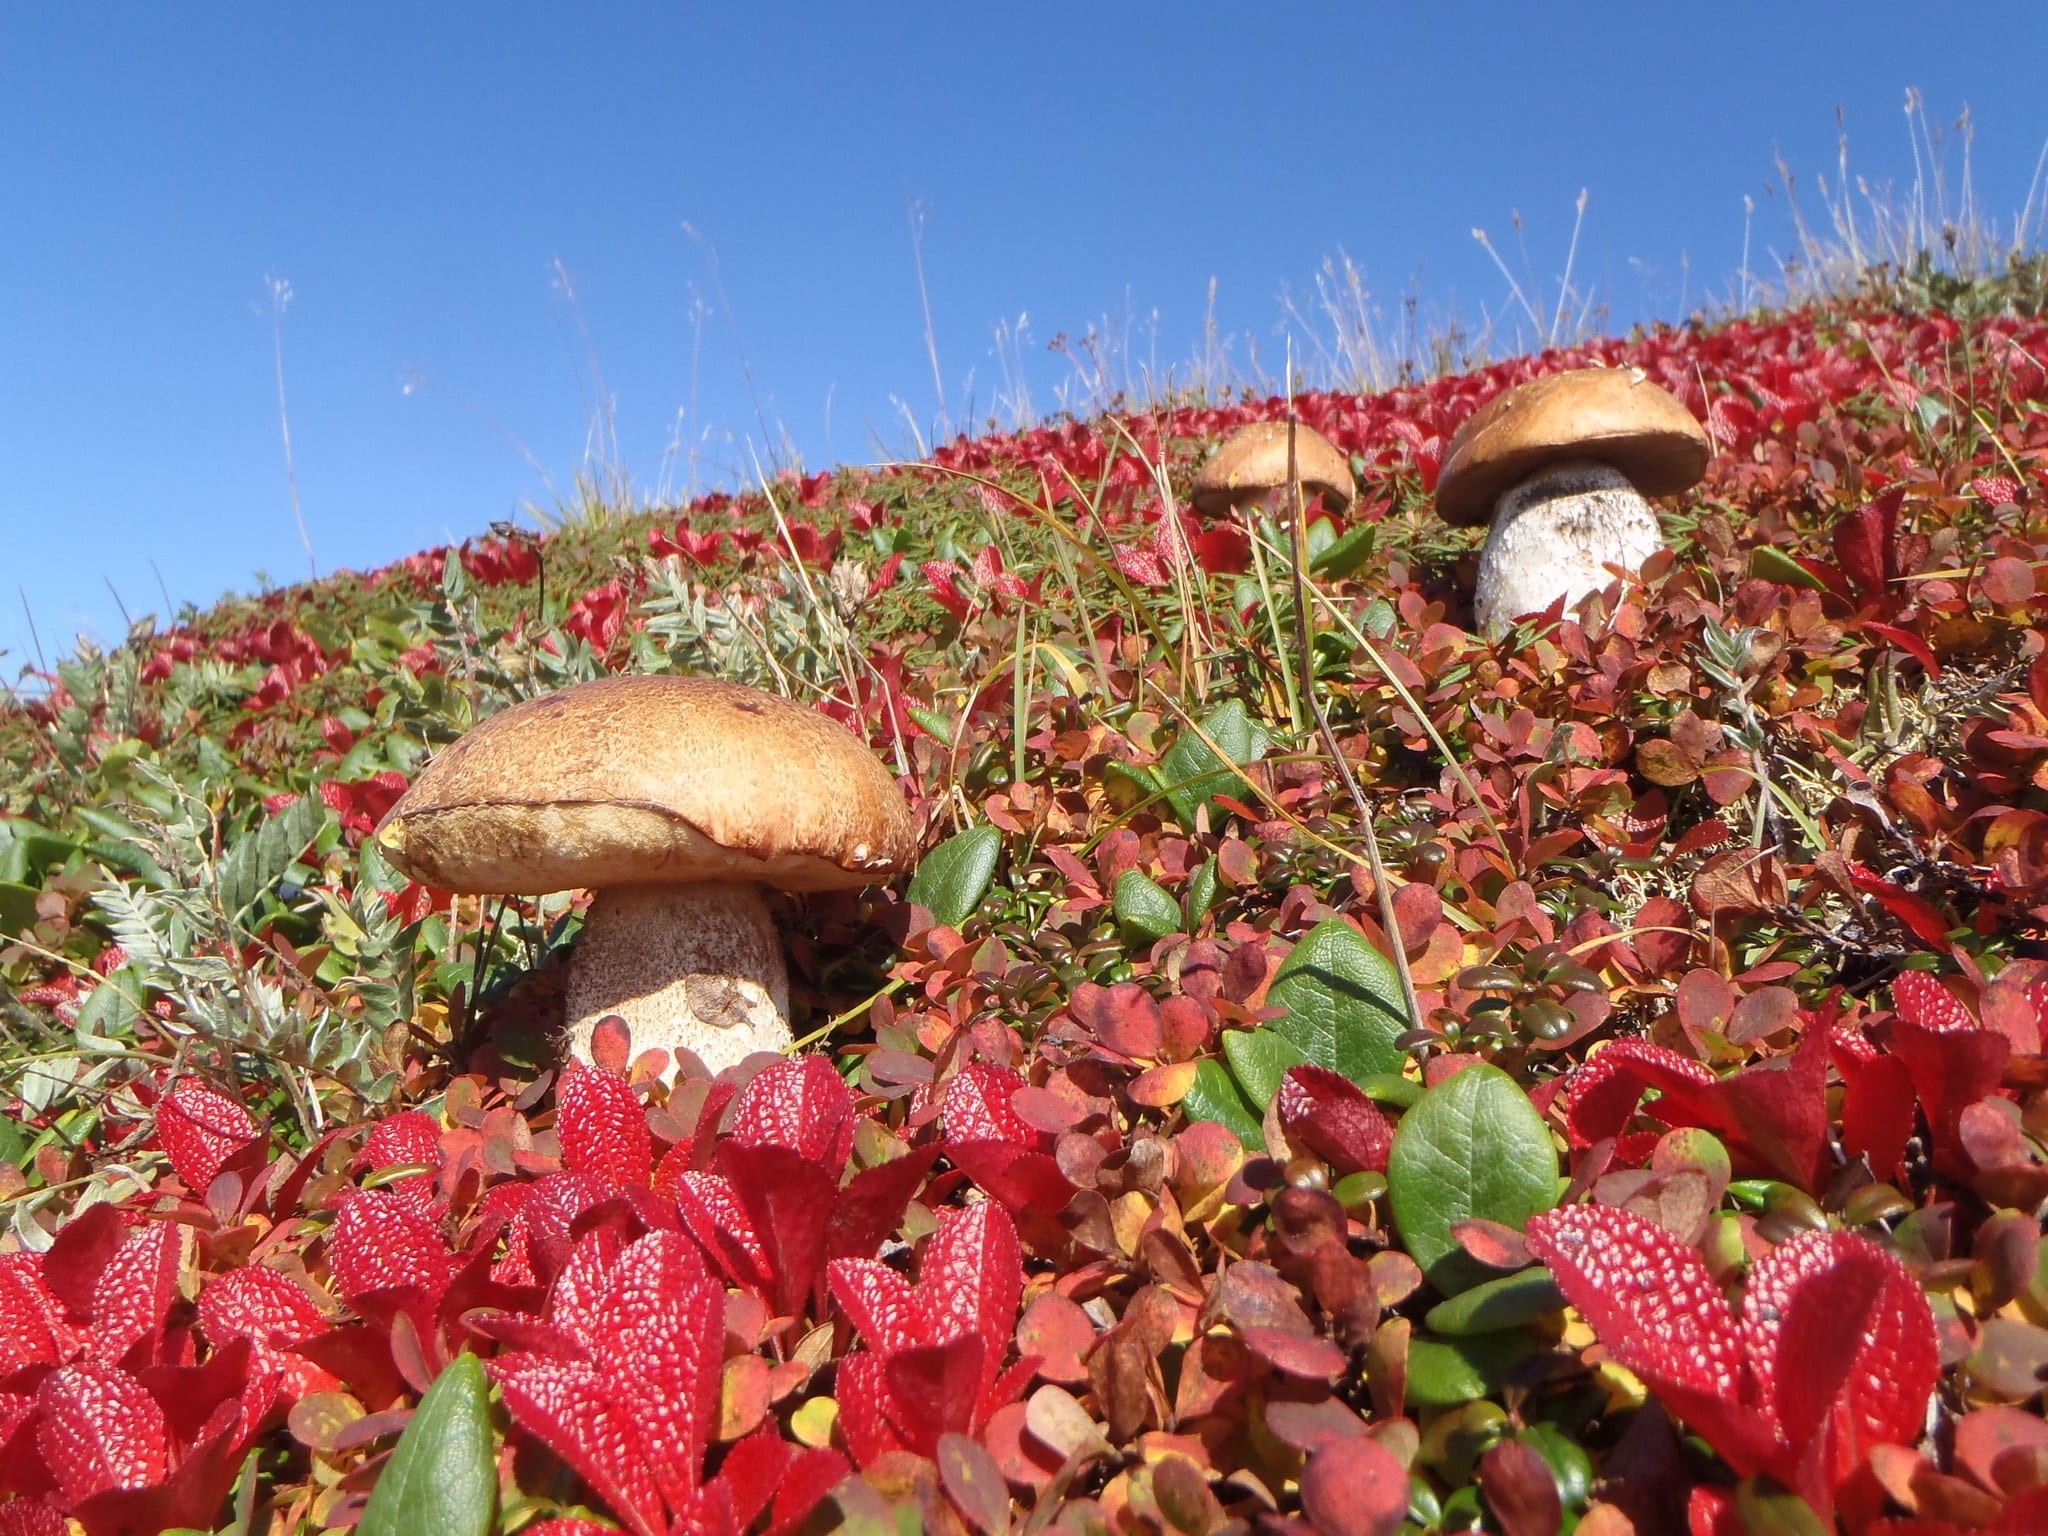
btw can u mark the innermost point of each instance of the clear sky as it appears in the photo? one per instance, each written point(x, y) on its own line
point(422, 176)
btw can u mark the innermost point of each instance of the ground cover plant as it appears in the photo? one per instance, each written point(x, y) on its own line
point(1656, 1144)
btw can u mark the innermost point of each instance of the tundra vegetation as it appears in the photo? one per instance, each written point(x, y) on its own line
point(1332, 1069)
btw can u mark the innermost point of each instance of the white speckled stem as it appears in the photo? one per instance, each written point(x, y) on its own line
point(1556, 533)
point(691, 966)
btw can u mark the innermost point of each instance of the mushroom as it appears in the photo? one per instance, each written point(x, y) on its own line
point(1252, 465)
point(675, 799)
point(1560, 465)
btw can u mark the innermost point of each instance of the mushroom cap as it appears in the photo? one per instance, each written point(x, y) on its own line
point(651, 780)
point(1611, 415)
point(1253, 460)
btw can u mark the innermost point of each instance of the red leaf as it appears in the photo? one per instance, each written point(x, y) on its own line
point(259, 1305)
point(1660, 1314)
point(1877, 1113)
point(932, 1389)
point(1773, 1114)
point(1954, 1061)
point(72, 1266)
point(1866, 543)
point(975, 1484)
point(751, 1470)
point(788, 1198)
point(602, 1128)
point(1906, 641)
point(881, 1303)
point(566, 1404)
point(1520, 1489)
point(661, 1340)
point(1881, 1396)
point(33, 1328)
point(799, 1103)
point(1354, 1488)
point(861, 1396)
point(715, 1214)
point(977, 1107)
point(1022, 1180)
point(101, 1429)
point(270, 1311)
point(1325, 1112)
point(19, 1517)
point(386, 1256)
point(134, 1292)
point(810, 1477)
point(1916, 913)
point(1297, 1354)
point(872, 1202)
point(972, 1278)
point(200, 1128)
point(1127, 1021)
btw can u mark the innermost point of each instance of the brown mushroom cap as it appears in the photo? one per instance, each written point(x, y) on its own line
point(1253, 461)
point(646, 780)
point(1612, 415)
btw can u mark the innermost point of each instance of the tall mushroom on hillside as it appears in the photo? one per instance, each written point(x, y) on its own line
point(675, 799)
point(1250, 470)
point(1561, 466)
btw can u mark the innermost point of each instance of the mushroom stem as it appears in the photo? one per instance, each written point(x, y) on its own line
point(690, 967)
point(1555, 534)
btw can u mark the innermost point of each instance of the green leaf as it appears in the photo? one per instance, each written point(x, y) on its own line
point(935, 725)
point(1472, 1146)
point(1191, 772)
point(1773, 564)
point(1345, 554)
point(13, 1140)
point(27, 851)
point(1343, 1002)
point(1259, 1058)
point(1216, 1096)
point(109, 1009)
point(1143, 909)
point(1508, 1302)
point(260, 856)
point(1379, 618)
point(953, 877)
point(1391, 1088)
point(17, 908)
point(1200, 895)
point(1445, 1372)
point(442, 1477)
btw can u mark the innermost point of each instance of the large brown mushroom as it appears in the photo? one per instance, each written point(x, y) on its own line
point(675, 799)
point(1250, 470)
point(1561, 466)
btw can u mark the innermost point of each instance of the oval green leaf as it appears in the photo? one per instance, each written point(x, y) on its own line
point(1472, 1146)
point(1508, 1302)
point(1216, 1096)
point(1343, 1002)
point(1773, 564)
point(1192, 773)
point(1344, 554)
point(17, 909)
point(1200, 895)
point(1445, 1372)
point(1143, 909)
point(1259, 1058)
point(442, 1477)
point(952, 878)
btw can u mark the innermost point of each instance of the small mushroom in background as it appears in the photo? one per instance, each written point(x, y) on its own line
point(1250, 470)
point(675, 799)
point(1561, 466)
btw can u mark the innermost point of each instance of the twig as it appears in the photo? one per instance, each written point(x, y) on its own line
point(1304, 635)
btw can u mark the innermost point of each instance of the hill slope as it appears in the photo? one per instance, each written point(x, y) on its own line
point(1711, 840)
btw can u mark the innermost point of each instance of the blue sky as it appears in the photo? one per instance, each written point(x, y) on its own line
point(421, 176)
